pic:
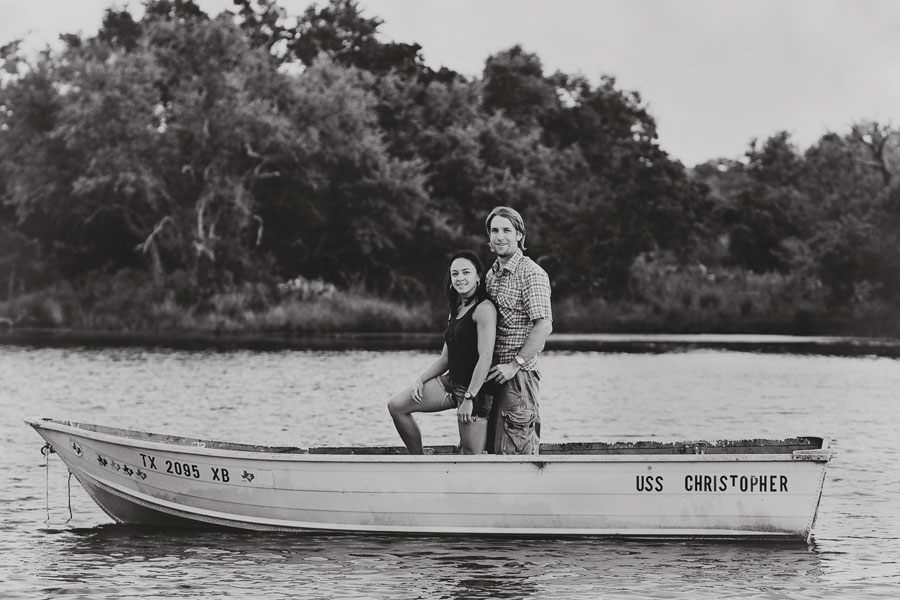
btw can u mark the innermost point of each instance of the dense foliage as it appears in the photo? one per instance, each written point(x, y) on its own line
point(197, 154)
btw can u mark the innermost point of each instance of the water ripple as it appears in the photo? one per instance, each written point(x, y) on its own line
point(307, 398)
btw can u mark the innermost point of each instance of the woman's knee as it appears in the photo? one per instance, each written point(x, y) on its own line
point(399, 404)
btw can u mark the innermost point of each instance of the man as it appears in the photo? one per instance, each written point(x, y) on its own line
point(520, 290)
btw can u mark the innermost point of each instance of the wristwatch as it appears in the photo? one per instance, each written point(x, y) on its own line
point(468, 396)
point(520, 361)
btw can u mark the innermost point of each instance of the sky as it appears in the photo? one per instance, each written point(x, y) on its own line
point(713, 73)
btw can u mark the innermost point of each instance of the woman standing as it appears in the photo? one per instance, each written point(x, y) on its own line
point(456, 378)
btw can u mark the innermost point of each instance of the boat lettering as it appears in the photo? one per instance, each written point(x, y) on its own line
point(220, 474)
point(149, 461)
point(744, 483)
point(648, 483)
point(185, 469)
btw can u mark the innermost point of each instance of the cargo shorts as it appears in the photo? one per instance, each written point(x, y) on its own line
point(517, 430)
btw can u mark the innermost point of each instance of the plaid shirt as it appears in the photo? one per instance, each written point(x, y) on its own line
point(521, 292)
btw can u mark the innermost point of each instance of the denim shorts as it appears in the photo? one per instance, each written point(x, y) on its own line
point(518, 420)
point(453, 393)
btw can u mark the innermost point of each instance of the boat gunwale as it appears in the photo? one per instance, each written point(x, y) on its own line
point(814, 449)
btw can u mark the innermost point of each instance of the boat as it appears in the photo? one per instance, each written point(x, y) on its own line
point(694, 489)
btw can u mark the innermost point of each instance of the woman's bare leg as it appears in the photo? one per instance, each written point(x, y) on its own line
point(402, 406)
point(473, 436)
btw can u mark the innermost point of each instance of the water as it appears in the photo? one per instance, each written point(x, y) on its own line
point(338, 397)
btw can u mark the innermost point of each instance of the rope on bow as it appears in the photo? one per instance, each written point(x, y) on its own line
point(69, 487)
point(47, 450)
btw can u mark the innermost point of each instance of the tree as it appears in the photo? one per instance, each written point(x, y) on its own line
point(847, 253)
point(173, 10)
point(760, 222)
point(119, 29)
point(350, 39)
point(119, 160)
point(777, 163)
point(766, 208)
point(265, 24)
point(185, 146)
point(347, 210)
point(514, 83)
point(851, 180)
point(874, 138)
point(632, 197)
point(836, 180)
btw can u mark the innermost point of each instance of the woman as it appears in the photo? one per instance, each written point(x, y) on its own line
point(457, 376)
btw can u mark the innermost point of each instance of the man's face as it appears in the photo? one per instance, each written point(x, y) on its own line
point(504, 237)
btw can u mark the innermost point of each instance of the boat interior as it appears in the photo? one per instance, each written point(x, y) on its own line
point(747, 446)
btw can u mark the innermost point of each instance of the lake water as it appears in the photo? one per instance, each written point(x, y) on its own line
point(338, 398)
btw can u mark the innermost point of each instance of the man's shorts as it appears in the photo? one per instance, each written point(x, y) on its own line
point(453, 394)
point(518, 419)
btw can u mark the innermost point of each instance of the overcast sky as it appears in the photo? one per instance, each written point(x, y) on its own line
point(714, 73)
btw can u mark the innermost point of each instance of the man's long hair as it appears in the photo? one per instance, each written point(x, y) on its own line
point(507, 213)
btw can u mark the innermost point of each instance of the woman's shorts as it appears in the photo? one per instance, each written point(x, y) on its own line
point(453, 394)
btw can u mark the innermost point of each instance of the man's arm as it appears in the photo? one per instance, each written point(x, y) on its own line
point(536, 297)
point(540, 331)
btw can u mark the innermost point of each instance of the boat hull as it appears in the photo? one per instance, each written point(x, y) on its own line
point(178, 482)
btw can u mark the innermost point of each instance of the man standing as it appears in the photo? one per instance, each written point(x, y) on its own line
point(520, 290)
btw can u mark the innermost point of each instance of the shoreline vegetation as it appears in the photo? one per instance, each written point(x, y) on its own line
point(682, 309)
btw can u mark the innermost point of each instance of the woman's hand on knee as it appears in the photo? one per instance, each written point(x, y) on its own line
point(416, 390)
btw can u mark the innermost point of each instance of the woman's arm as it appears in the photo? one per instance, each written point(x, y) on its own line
point(438, 367)
point(485, 318)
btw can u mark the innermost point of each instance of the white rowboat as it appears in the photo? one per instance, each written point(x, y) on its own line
point(721, 489)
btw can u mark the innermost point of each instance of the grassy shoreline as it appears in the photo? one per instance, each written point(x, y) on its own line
point(689, 301)
point(379, 317)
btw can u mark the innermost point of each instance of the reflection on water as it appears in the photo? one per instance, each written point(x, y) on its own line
point(103, 559)
point(338, 398)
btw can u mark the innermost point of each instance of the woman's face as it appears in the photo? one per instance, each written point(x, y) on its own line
point(463, 277)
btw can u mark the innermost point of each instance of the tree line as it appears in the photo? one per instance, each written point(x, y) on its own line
point(202, 152)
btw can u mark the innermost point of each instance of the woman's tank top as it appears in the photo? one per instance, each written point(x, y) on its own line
point(461, 337)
